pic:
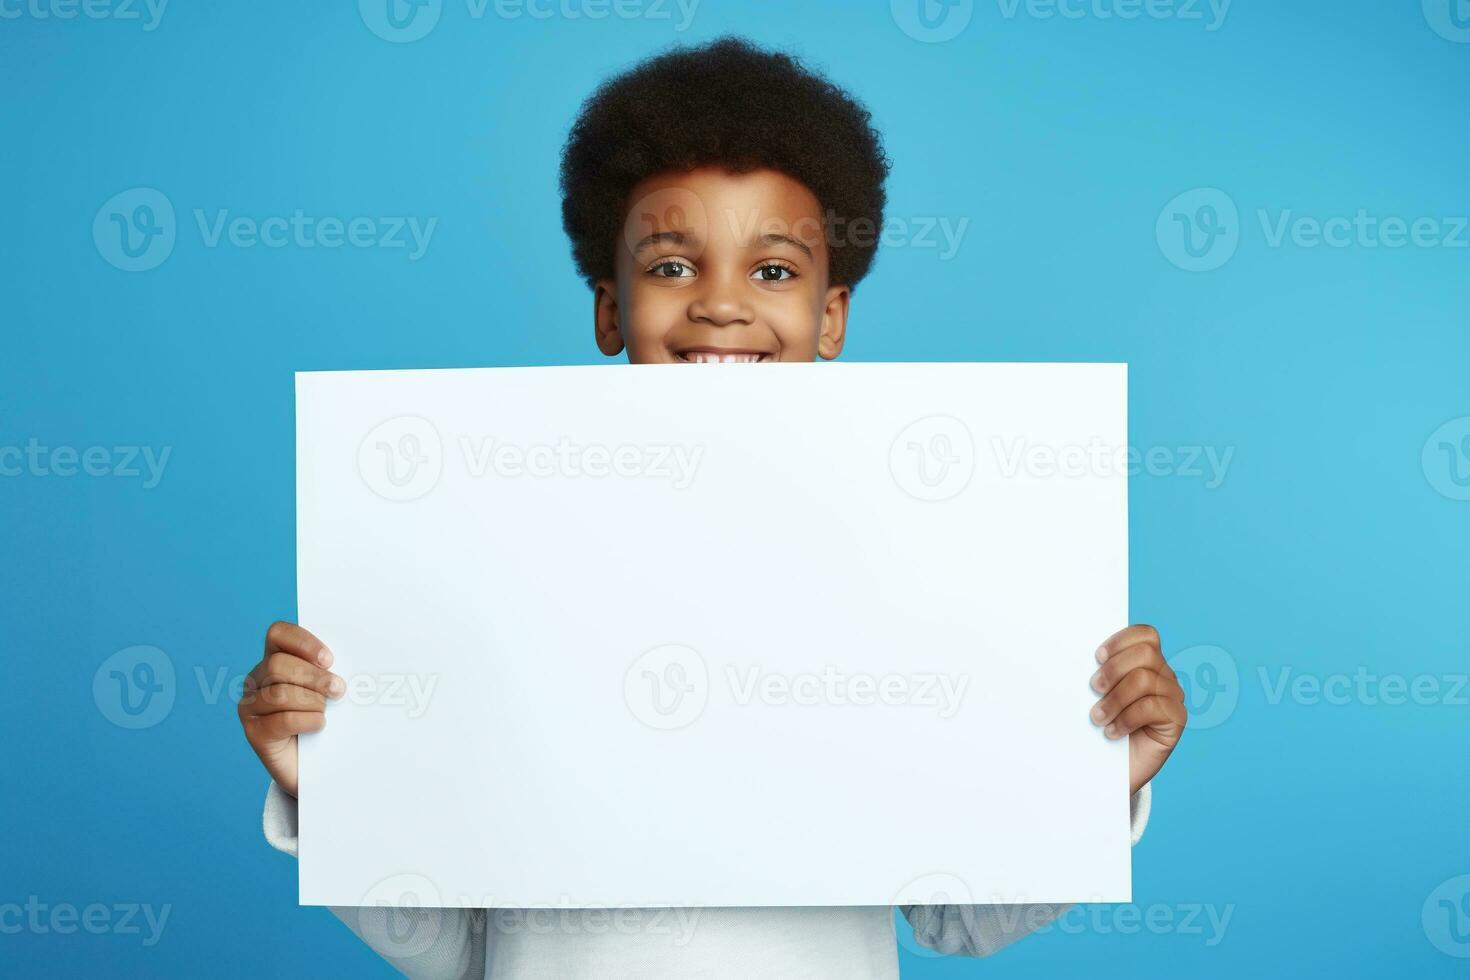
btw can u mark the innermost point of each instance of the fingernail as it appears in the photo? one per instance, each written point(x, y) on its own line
point(1097, 714)
point(325, 658)
point(1097, 681)
point(1111, 731)
point(1102, 654)
point(336, 686)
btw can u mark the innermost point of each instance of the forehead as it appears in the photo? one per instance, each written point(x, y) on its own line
point(712, 201)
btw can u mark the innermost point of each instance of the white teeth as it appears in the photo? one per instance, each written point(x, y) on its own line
point(714, 357)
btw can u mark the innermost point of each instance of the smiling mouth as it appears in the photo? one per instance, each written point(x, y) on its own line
point(718, 355)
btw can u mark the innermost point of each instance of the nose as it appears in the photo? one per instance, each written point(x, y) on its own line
point(720, 301)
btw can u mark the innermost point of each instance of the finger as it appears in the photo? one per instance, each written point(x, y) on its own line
point(1153, 711)
point(1127, 637)
point(1117, 666)
point(1138, 684)
point(283, 668)
point(281, 697)
point(289, 638)
point(284, 724)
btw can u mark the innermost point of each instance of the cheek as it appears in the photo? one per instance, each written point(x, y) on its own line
point(796, 318)
point(648, 315)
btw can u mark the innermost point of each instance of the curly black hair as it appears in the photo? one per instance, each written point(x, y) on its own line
point(731, 104)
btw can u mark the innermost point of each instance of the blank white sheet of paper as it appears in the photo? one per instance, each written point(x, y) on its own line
point(715, 635)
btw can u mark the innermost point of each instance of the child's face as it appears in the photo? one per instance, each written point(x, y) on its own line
point(719, 266)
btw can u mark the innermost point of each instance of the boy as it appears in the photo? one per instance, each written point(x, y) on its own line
point(723, 202)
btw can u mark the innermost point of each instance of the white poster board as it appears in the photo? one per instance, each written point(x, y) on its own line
point(716, 635)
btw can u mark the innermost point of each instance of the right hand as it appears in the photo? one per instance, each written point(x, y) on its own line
point(285, 695)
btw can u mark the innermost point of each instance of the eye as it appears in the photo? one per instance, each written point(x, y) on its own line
point(671, 269)
point(774, 272)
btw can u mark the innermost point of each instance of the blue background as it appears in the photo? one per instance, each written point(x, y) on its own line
point(1329, 546)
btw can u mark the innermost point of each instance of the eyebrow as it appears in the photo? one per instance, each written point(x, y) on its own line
point(683, 238)
point(672, 237)
point(775, 239)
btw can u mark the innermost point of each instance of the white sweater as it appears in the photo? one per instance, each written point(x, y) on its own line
point(849, 942)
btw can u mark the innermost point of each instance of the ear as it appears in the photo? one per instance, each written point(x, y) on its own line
point(834, 323)
point(605, 321)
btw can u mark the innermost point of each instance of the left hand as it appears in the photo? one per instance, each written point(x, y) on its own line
point(1141, 698)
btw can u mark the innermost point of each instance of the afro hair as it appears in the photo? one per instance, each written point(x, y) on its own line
point(728, 104)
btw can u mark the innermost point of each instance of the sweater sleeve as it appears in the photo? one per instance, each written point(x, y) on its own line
point(428, 943)
point(979, 930)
